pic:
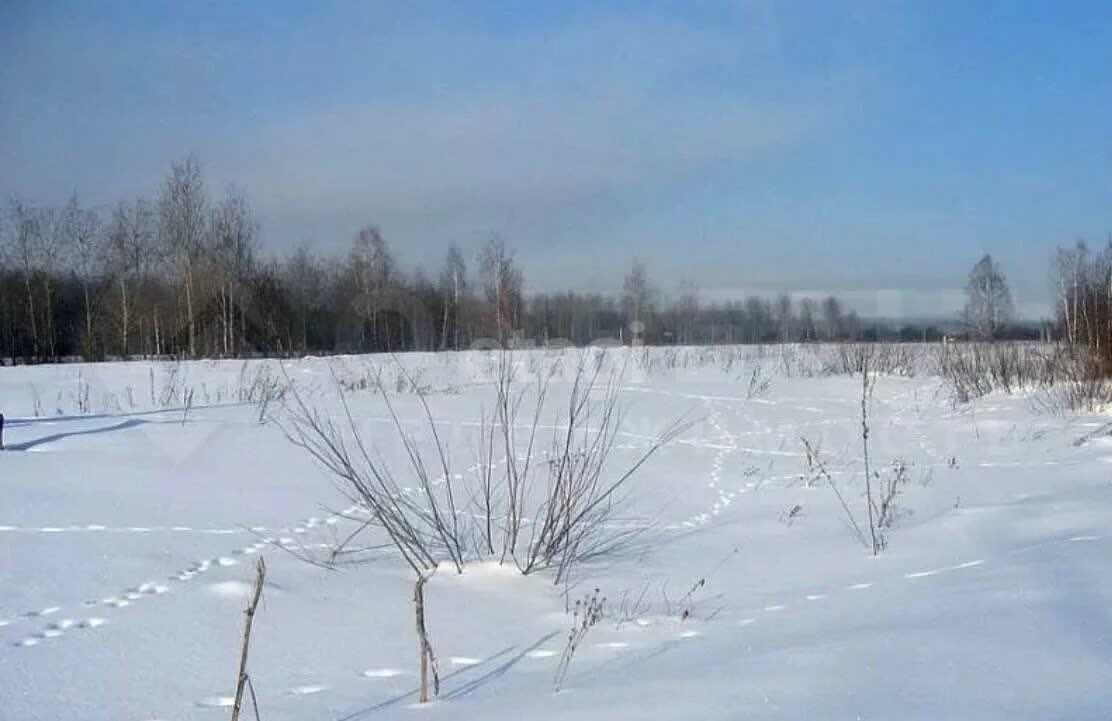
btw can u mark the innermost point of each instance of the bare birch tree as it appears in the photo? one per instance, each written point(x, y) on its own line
point(503, 285)
point(988, 305)
point(233, 233)
point(453, 287)
point(182, 222)
point(638, 294)
point(86, 240)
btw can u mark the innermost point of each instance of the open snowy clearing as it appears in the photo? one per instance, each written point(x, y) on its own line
point(130, 525)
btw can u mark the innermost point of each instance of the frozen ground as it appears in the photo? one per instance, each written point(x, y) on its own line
point(128, 530)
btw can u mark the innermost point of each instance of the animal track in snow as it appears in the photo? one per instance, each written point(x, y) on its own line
point(725, 447)
point(100, 528)
point(382, 673)
point(150, 588)
point(216, 702)
point(936, 571)
point(57, 628)
point(44, 612)
point(465, 661)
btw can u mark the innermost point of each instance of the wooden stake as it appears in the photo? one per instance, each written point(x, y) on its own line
point(242, 680)
point(426, 659)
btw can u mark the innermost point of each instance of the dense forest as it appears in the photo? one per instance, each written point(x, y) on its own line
point(187, 275)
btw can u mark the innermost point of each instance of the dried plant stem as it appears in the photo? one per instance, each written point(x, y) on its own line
point(813, 454)
point(426, 659)
point(866, 391)
point(242, 679)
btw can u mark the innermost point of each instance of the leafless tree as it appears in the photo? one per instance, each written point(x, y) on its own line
point(1068, 272)
point(131, 243)
point(51, 251)
point(503, 285)
point(1083, 282)
point(784, 317)
point(306, 276)
point(687, 310)
point(453, 289)
point(638, 294)
point(988, 305)
point(86, 238)
point(182, 221)
point(831, 318)
point(373, 268)
point(26, 233)
point(233, 234)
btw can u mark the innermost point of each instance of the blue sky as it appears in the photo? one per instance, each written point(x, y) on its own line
point(868, 149)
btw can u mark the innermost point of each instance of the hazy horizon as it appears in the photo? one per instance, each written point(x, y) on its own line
point(862, 151)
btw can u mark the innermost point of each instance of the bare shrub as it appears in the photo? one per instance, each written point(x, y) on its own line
point(1063, 377)
point(422, 528)
point(572, 494)
point(973, 370)
point(1080, 385)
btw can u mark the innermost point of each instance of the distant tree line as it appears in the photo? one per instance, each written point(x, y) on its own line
point(184, 275)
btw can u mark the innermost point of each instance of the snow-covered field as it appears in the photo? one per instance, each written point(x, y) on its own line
point(129, 527)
